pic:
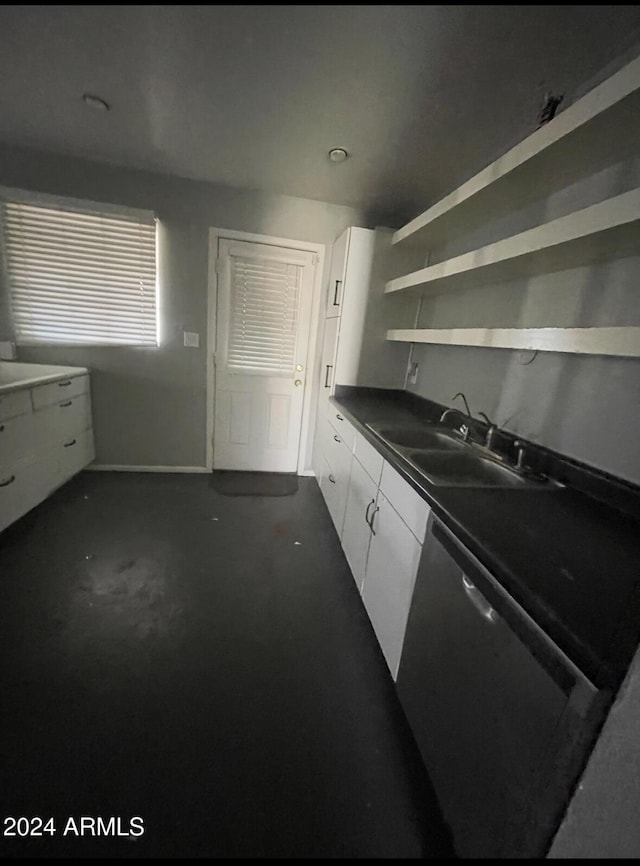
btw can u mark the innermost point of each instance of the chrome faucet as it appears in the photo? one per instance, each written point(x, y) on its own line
point(464, 428)
point(464, 400)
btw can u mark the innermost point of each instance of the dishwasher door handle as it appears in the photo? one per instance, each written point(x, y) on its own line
point(478, 600)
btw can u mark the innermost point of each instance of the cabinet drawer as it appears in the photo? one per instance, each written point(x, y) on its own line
point(342, 427)
point(17, 439)
point(71, 417)
point(370, 460)
point(58, 392)
point(410, 505)
point(74, 455)
point(334, 486)
point(336, 451)
point(13, 404)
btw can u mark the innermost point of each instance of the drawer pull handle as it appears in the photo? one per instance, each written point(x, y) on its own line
point(337, 439)
point(339, 417)
point(8, 481)
point(327, 384)
point(373, 514)
point(336, 303)
point(64, 384)
point(68, 403)
point(366, 514)
point(69, 444)
point(332, 479)
point(478, 600)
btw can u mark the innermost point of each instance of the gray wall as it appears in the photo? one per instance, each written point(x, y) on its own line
point(584, 406)
point(603, 818)
point(150, 404)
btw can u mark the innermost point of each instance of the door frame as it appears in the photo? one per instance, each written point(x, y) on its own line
point(318, 250)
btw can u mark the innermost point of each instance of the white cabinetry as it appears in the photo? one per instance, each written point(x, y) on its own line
point(356, 532)
point(392, 565)
point(355, 349)
point(337, 271)
point(381, 521)
point(346, 303)
point(334, 482)
point(46, 437)
point(327, 363)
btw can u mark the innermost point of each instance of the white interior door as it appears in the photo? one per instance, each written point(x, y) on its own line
point(262, 335)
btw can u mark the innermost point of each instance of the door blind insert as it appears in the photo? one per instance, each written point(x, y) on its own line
point(81, 277)
point(265, 297)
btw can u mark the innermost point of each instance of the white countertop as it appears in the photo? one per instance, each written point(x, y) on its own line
point(14, 375)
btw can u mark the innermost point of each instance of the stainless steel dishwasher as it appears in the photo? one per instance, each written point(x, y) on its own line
point(503, 720)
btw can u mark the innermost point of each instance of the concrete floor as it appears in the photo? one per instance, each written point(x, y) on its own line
point(170, 653)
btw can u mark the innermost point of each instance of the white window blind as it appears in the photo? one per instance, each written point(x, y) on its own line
point(83, 278)
point(264, 315)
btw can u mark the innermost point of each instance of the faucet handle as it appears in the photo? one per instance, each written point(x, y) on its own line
point(491, 435)
point(520, 449)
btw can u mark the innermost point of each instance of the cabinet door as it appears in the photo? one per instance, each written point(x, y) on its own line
point(356, 533)
point(336, 275)
point(394, 554)
point(327, 369)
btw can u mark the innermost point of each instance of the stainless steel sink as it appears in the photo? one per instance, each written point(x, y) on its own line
point(465, 469)
point(449, 462)
point(418, 436)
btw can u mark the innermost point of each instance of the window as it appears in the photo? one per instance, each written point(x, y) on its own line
point(80, 277)
point(264, 314)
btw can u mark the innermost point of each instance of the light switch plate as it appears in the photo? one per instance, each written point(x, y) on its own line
point(191, 339)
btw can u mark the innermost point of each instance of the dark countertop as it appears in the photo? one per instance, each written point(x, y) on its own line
point(571, 561)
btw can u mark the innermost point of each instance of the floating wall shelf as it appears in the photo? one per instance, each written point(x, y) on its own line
point(593, 113)
point(581, 237)
point(620, 342)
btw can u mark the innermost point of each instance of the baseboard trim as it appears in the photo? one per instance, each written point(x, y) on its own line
point(117, 467)
point(114, 467)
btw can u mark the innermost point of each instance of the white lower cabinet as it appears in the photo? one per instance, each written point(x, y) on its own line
point(335, 472)
point(356, 533)
point(332, 495)
point(49, 441)
point(17, 483)
point(335, 483)
point(392, 565)
point(381, 521)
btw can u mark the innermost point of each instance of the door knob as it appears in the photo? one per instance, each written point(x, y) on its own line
point(299, 368)
point(298, 382)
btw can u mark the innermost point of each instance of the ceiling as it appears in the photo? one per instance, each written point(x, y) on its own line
point(255, 96)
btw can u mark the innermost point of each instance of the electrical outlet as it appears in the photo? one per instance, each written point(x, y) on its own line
point(413, 373)
point(191, 339)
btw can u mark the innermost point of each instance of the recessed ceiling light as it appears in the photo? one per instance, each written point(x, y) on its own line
point(338, 154)
point(96, 102)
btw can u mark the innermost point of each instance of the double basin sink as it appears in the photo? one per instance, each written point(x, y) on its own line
point(446, 461)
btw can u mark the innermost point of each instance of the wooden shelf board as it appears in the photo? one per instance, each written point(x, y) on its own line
point(580, 237)
point(614, 341)
point(593, 106)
